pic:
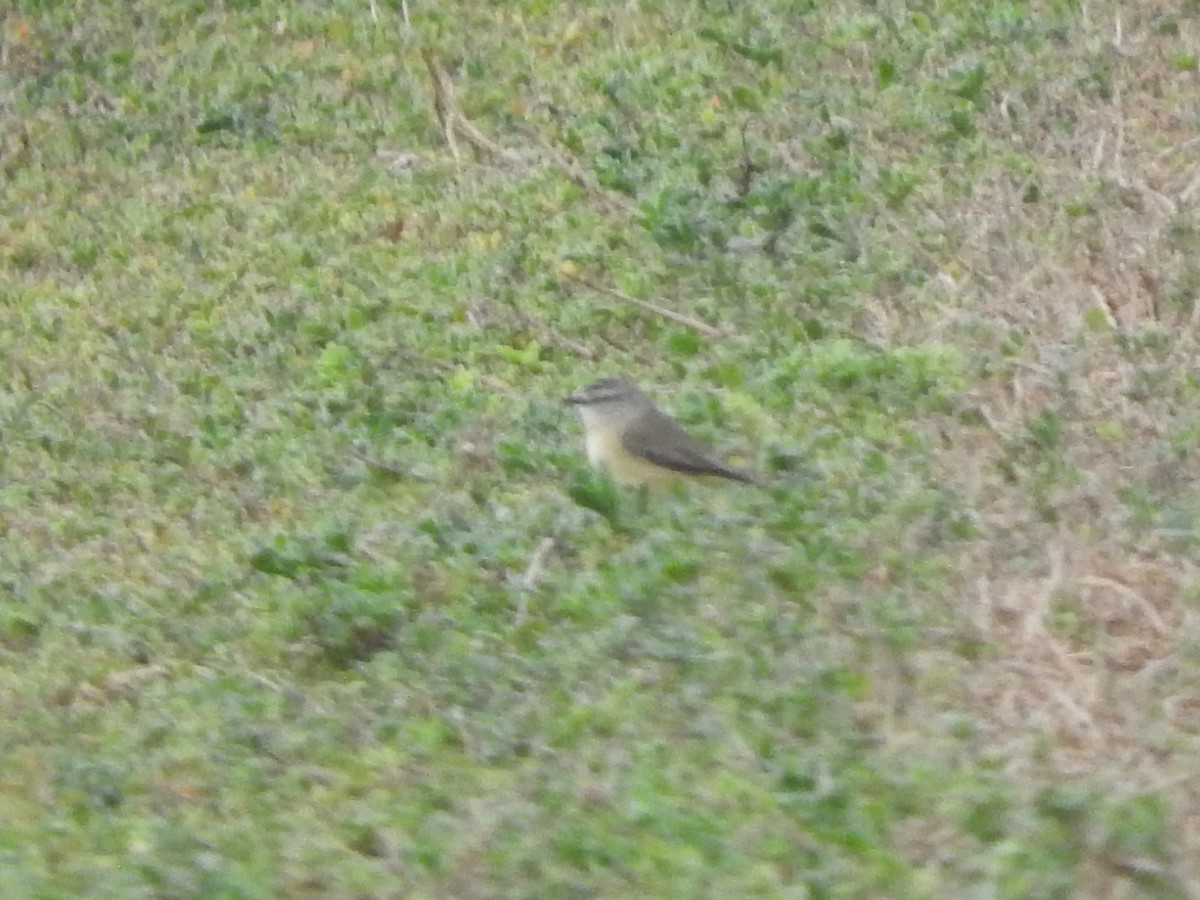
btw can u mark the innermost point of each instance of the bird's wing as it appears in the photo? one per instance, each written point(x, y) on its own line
point(659, 439)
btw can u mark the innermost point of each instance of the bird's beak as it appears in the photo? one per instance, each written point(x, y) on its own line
point(572, 400)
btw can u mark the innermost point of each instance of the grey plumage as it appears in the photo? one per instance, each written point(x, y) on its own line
point(658, 438)
point(618, 412)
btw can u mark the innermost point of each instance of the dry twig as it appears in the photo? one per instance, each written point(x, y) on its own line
point(452, 120)
point(576, 173)
point(661, 311)
point(533, 572)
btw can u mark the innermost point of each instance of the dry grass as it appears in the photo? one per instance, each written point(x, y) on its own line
point(1086, 615)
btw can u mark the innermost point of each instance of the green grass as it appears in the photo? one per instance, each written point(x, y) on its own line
point(305, 589)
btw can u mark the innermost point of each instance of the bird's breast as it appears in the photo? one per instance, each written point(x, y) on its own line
point(603, 446)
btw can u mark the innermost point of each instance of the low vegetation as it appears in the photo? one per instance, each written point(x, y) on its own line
point(305, 587)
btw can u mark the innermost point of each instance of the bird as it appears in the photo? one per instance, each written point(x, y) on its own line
point(636, 442)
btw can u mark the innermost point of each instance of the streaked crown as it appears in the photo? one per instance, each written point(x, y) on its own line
point(607, 391)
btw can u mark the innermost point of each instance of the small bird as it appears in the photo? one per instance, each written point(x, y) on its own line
point(636, 442)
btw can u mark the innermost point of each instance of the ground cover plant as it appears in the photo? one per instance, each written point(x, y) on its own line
point(305, 587)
